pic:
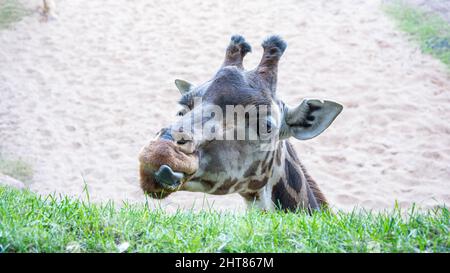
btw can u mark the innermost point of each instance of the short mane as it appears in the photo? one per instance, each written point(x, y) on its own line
point(320, 198)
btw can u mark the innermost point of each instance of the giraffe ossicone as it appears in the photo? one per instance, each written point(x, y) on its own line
point(232, 137)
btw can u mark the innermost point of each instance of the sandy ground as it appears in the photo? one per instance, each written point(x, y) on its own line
point(81, 95)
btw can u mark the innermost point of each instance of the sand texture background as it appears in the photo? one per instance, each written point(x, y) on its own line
point(80, 95)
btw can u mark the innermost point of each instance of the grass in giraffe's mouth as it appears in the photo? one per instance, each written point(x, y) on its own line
point(30, 223)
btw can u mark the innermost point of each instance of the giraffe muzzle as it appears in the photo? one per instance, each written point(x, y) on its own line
point(167, 178)
point(164, 168)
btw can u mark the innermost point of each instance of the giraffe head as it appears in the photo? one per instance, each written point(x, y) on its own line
point(222, 140)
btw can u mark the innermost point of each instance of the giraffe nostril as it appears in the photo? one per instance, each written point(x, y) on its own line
point(186, 146)
point(181, 137)
point(182, 141)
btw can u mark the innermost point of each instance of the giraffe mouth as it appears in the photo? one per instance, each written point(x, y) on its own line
point(160, 183)
point(168, 179)
point(164, 168)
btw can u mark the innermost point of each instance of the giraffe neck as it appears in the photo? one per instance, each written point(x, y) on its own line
point(289, 187)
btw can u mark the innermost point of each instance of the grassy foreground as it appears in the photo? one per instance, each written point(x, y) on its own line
point(30, 223)
point(428, 29)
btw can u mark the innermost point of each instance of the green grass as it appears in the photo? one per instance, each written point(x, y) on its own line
point(17, 169)
point(29, 223)
point(428, 29)
point(11, 11)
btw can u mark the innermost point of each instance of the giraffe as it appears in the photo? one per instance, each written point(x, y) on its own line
point(179, 158)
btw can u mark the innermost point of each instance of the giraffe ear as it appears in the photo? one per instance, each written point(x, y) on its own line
point(183, 86)
point(310, 118)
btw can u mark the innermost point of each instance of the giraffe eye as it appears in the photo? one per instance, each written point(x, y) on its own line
point(269, 127)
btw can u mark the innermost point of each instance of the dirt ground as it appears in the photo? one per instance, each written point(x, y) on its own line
point(80, 95)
